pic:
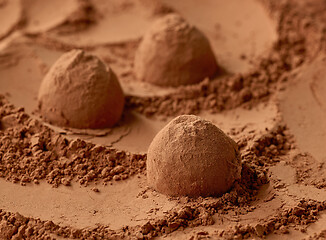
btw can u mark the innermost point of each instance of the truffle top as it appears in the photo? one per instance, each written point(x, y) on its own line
point(171, 27)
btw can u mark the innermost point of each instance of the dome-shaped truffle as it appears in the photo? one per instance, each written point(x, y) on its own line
point(192, 157)
point(79, 91)
point(174, 53)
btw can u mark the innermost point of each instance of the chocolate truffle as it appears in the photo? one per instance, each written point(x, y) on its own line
point(174, 53)
point(79, 91)
point(192, 157)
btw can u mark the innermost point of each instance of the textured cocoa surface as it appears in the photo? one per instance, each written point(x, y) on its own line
point(174, 53)
point(192, 157)
point(281, 191)
point(79, 91)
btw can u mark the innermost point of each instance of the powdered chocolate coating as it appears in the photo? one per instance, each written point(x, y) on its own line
point(174, 53)
point(79, 91)
point(192, 157)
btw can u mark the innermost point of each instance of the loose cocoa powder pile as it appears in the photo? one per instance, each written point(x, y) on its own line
point(301, 215)
point(194, 213)
point(29, 154)
point(30, 151)
point(269, 147)
point(289, 52)
point(320, 236)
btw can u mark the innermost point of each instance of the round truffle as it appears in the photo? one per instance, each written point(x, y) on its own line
point(79, 91)
point(192, 157)
point(174, 53)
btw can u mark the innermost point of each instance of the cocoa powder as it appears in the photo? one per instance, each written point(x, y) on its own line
point(48, 155)
point(30, 152)
point(290, 51)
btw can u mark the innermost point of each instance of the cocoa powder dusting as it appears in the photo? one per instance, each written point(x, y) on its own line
point(174, 53)
point(289, 52)
point(79, 91)
point(192, 157)
point(31, 151)
point(273, 170)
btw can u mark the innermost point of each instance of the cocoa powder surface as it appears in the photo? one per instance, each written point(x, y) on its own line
point(60, 164)
point(300, 37)
point(30, 152)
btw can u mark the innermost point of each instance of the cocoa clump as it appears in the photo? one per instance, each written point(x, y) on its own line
point(30, 152)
